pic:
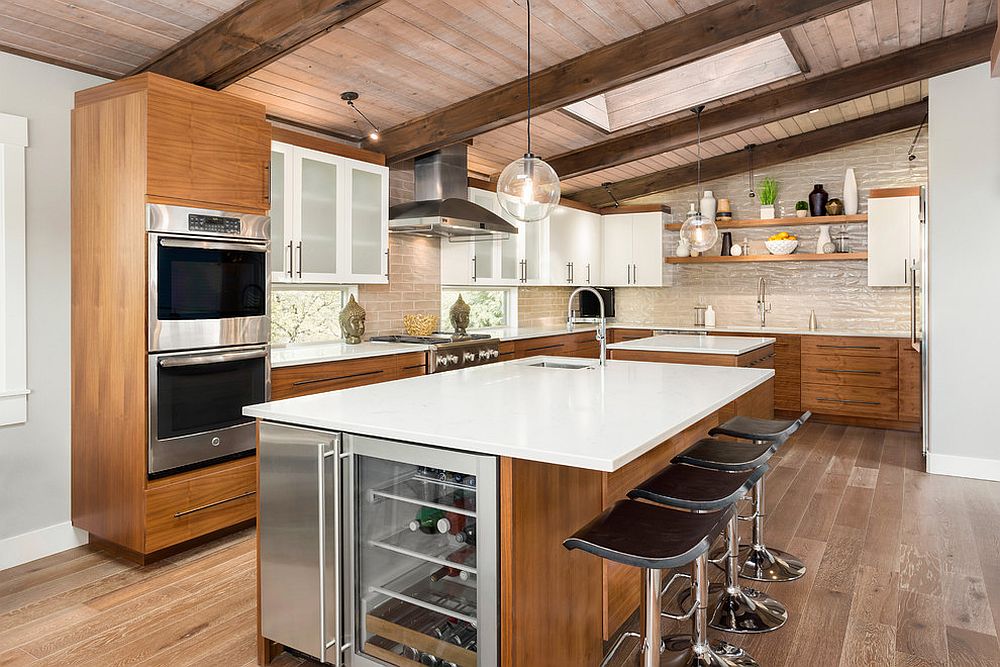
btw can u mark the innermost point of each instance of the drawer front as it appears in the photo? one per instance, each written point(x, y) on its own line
point(507, 351)
point(290, 381)
point(762, 358)
point(849, 346)
point(410, 365)
point(910, 397)
point(546, 346)
point(180, 511)
point(788, 373)
point(622, 335)
point(851, 401)
point(839, 369)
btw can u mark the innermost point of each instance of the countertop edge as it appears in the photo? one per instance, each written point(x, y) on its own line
point(638, 346)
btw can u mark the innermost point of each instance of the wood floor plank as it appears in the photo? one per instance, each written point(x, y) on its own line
point(966, 603)
point(15, 657)
point(919, 571)
point(971, 649)
point(871, 631)
point(921, 629)
point(864, 477)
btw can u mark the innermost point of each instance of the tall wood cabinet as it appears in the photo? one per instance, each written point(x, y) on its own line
point(146, 139)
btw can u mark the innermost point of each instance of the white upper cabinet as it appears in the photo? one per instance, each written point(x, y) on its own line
point(633, 249)
point(574, 247)
point(894, 238)
point(329, 218)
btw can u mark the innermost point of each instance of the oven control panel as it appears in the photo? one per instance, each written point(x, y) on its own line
point(214, 224)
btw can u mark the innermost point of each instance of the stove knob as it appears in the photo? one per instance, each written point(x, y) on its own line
point(453, 358)
point(469, 357)
point(494, 353)
point(442, 360)
point(484, 354)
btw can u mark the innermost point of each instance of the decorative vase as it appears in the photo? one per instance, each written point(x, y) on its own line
point(834, 207)
point(801, 213)
point(727, 244)
point(767, 212)
point(724, 212)
point(352, 322)
point(824, 239)
point(683, 249)
point(850, 192)
point(459, 316)
point(817, 200)
point(708, 205)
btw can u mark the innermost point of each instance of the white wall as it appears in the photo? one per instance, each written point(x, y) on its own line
point(963, 317)
point(35, 456)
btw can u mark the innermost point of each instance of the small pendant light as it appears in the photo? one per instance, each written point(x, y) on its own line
point(528, 188)
point(700, 232)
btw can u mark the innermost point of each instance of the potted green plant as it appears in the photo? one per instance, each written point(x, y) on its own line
point(768, 192)
point(802, 208)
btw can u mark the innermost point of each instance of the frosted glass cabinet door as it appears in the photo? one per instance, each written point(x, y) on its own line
point(281, 213)
point(318, 220)
point(368, 189)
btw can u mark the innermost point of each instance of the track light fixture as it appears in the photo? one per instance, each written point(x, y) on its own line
point(349, 97)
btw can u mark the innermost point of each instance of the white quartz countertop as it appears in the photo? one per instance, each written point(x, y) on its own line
point(769, 330)
point(725, 345)
point(593, 417)
point(298, 355)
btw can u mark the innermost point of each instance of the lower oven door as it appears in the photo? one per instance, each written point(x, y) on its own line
point(196, 402)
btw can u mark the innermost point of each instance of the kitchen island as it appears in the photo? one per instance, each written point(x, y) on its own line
point(694, 349)
point(524, 453)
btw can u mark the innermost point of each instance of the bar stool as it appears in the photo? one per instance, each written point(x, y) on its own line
point(735, 608)
point(657, 538)
point(763, 563)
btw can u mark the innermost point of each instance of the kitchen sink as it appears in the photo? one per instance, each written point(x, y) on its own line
point(560, 364)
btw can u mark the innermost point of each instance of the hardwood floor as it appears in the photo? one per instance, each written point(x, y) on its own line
point(903, 572)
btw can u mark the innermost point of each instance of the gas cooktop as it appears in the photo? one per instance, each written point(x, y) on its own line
point(449, 352)
point(436, 338)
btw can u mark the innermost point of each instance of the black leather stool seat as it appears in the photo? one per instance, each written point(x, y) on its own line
point(753, 428)
point(649, 536)
point(726, 455)
point(698, 489)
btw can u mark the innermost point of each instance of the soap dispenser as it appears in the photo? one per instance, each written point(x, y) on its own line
point(710, 317)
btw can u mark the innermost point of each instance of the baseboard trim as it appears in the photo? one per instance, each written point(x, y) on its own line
point(40, 543)
point(963, 466)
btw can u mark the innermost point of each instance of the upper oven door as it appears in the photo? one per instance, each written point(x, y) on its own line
point(207, 292)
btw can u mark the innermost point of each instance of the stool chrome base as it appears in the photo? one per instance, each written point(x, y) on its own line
point(744, 610)
point(761, 563)
point(681, 651)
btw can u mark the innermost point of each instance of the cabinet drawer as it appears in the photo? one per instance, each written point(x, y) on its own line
point(410, 365)
point(849, 345)
point(622, 335)
point(507, 351)
point(546, 346)
point(849, 370)
point(290, 381)
point(850, 401)
point(200, 504)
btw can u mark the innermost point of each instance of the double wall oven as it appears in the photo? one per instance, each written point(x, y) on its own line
point(209, 321)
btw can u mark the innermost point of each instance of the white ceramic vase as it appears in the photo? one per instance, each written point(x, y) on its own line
point(850, 192)
point(767, 212)
point(683, 249)
point(824, 238)
point(708, 205)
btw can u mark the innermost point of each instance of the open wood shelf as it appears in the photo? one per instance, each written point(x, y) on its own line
point(794, 257)
point(782, 222)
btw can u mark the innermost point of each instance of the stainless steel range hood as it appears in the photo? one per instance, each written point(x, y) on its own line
point(442, 208)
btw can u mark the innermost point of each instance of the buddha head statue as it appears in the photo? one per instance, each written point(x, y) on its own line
point(459, 316)
point(352, 322)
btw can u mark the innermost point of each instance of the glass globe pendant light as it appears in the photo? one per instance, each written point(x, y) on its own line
point(700, 232)
point(528, 188)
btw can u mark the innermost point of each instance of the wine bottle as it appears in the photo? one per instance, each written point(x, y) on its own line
point(426, 520)
point(467, 534)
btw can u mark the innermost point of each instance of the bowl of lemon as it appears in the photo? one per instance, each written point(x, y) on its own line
point(782, 243)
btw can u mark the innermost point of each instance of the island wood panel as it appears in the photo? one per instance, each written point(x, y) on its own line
point(108, 324)
point(787, 368)
point(760, 358)
point(854, 371)
point(291, 381)
point(910, 383)
point(183, 507)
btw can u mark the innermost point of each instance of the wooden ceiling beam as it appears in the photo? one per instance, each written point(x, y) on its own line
point(765, 155)
point(717, 28)
point(251, 36)
point(914, 64)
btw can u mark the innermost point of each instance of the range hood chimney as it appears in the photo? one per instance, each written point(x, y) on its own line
point(442, 207)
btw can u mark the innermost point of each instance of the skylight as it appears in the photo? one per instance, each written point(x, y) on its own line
point(749, 66)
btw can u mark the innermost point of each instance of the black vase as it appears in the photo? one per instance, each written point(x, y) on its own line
point(817, 200)
point(727, 244)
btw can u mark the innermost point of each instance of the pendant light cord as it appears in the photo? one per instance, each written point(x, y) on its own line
point(528, 5)
point(697, 110)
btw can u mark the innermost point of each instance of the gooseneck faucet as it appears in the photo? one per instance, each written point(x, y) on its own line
point(602, 322)
point(763, 307)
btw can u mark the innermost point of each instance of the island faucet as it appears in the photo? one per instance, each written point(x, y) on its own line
point(763, 307)
point(602, 322)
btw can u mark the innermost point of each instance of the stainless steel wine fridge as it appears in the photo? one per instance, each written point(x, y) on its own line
point(376, 552)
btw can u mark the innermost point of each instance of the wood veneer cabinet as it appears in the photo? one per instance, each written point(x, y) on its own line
point(146, 139)
point(291, 381)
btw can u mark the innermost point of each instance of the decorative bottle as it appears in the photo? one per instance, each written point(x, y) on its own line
point(850, 192)
point(710, 317)
point(708, 205)
point(727, 244)
point(817, 200)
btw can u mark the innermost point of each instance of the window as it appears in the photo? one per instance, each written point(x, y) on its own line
point(302, 314)
point(489, 307)
point(13, 350)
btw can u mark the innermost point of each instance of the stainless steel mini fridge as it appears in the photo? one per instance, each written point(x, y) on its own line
point(377, 552)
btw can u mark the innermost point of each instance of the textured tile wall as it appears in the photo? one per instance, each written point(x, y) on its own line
point(541, 306)
point(414, 269)
point(837, 291)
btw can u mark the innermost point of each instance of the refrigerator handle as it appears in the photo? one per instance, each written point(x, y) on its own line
point(913, 305)
point(330, 541)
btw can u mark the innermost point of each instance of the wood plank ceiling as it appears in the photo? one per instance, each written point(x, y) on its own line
point(408, 58)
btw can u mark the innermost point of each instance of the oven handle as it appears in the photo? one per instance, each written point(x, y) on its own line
point(171, 362)
point(213, 245)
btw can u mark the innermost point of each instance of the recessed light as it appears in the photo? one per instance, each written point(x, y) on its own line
point(814, 111)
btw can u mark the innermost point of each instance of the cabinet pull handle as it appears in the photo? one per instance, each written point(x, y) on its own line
point(628, 274)
point(300, 259)
point(569, 278)
point(339, 377)
point(588, 273)
point(291, 261)
point(387, 264)
point(473, 269)
point(267, 181)
point(848, 401)
point(850, 347)
point(544, 347)
point(178, 515)
point(834, 370)
point(761, 360)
